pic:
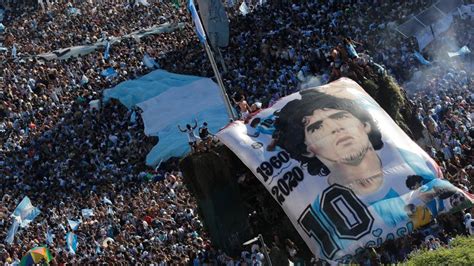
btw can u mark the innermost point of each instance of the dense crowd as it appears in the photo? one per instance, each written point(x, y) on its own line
point(60, 26)
point(68, 155)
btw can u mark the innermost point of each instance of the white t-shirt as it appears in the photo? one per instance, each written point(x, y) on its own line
point(191, 136)
point(470, 226)
point(255, 248)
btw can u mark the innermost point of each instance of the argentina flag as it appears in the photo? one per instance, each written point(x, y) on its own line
point(421, 59)
point(14, 51)
point(150, 62)
point(244, 9)
point(73, 224)
point(109, 73)
point(166, 100)
point(464, 50)
point(25, 212)
point(49, 237)
point(71, 243)
point(197, 21)
point(107, 51)
point(87, 213)
point(12, 232)
point(74, 11)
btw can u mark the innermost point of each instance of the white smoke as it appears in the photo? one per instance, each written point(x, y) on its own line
point(442, 68)
point(313, 81)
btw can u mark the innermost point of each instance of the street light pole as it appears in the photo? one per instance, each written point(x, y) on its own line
point(265, 251)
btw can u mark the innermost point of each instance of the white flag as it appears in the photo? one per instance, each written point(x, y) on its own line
point(244, 9)
point(14, 51)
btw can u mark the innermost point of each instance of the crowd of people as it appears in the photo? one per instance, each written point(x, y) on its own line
point(67, 154)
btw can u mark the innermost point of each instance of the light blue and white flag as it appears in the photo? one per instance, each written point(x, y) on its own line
point(150, 62)
point(133, 117)
point(197, 21)
point(87, 213)
point(12, 232)
point(169, 99)
point(421, 59)
point(107, 201)
point(73, 224)
point(107, 51)
point(141, 2)
point(14, 51)
point(464, 50)
point(108, 73)
point(25, 212)
point(84, 80)
point(244, 9)
point(2, 13)
point(2, 27)
point(49, 237)
point(71, 242)
point(74, 11)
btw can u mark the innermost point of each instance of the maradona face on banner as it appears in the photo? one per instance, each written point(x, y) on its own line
point(345, 174)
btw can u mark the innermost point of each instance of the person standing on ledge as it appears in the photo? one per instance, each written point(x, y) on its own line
point(192, 138)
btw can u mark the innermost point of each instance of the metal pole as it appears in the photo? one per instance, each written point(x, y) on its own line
point(265, 252)
point(440, 10)
point(401, 33)
point(224, 95)
point(221, 60)
point(419, 21)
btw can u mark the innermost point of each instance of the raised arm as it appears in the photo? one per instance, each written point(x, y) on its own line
point(233, 99)
point(248, 106)
point(181, 129)
point(356, 42)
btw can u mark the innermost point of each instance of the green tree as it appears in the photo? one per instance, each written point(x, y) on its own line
point(460, 253)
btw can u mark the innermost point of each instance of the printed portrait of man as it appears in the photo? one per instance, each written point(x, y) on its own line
point(333, 137)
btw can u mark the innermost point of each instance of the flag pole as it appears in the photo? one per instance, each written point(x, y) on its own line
point(202, 37)
point(224, 95)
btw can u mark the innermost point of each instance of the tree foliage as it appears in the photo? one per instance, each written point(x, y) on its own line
point(460, 253)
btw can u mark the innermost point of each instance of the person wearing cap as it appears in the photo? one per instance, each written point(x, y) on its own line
point(205, 136)
point(256, 106)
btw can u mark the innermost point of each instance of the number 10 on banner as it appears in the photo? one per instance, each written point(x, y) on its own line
point(345, 215)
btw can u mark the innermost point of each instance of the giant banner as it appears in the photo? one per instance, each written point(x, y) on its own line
point(345, 174)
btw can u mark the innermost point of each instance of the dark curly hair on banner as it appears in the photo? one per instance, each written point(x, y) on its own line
point(291, 126)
